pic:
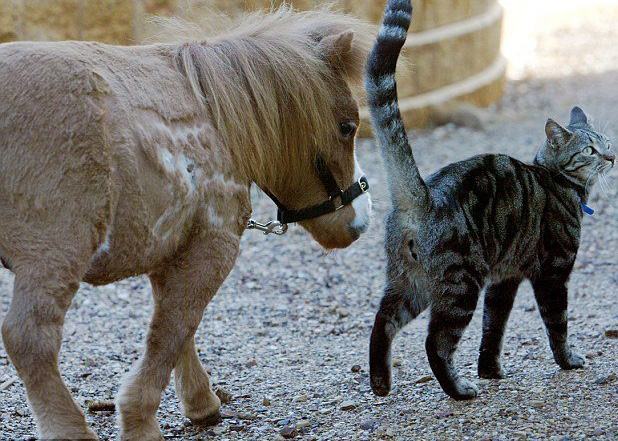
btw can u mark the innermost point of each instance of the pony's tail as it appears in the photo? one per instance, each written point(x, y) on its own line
point(408, 190)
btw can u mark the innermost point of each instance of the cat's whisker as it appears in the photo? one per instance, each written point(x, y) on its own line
point(605, 183)
point(602, 185)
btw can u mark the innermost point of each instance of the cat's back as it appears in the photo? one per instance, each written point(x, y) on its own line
point(481, 175)
point(485, 206)
point(487, 180)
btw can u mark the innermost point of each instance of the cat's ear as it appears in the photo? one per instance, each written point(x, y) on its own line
point(556, 134)
point(578, 117)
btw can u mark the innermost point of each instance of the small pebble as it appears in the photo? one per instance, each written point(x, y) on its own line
point(302, 398)
point(251, 363)
point(302, 424)
point(343, 312)
point(356, 368)
point(611, 333)
point(368, 424)
point(444, 414)
point(396, 361)
point(288, 432)
point(223, 395)
point(424, 379)
point(348, 405)
point(266, 401)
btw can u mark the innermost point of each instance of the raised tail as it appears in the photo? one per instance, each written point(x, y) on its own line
point(408, 190)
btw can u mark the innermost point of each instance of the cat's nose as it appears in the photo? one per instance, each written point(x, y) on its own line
point(611, 157)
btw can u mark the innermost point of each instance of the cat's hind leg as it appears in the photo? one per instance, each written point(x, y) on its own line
point(398, 307)
point(551, 296)
point(451, 312)
point(499, 300)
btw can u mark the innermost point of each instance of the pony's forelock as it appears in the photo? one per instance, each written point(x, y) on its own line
point(264, 83)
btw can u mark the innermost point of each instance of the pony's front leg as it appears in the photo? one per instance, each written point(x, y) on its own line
point(181, 292)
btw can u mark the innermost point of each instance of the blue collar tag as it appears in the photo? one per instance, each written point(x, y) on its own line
point(586, 209)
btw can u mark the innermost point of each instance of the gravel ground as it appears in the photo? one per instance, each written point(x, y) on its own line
point(287, 335)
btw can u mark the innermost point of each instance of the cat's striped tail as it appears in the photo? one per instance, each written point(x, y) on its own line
point(408, 190)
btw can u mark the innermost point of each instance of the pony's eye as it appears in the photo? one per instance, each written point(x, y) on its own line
point(588, 150)
point(347, 129)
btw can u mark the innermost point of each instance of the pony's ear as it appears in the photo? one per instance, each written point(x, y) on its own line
point(337, 48)
point(556, 134)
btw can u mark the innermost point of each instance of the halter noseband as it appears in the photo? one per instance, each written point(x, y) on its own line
point(337, 199)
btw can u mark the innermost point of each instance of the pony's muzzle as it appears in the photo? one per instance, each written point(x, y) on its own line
point(362, 215)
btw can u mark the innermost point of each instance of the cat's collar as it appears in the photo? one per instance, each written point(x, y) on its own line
point(585, 208)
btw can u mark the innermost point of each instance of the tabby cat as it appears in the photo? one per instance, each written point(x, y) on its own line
point(489, 219)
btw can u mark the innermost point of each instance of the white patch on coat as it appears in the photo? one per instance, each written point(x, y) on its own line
point(190, 186)
point(361, 205)
point(214, 218)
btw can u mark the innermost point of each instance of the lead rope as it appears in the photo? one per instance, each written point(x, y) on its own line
point(272, 227)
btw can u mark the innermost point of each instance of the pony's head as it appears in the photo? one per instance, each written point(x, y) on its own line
point(279, 90)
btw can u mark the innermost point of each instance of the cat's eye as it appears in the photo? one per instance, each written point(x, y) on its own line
point(589, 151)
point(347, 129)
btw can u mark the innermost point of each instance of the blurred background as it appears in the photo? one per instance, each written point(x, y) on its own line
point(458, 51)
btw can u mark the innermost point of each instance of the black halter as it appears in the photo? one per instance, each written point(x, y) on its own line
point(337, 199)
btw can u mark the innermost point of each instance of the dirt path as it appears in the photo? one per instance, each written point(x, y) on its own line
point(291, 324)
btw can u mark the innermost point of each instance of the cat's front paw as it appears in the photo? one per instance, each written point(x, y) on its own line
point(490, 369)
point(464, 390)
point(571, 361)
point(380, 384)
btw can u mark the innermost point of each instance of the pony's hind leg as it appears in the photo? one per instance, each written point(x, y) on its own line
point(499, 300)
point(397, 309)
point(451, 312)
point(181, 292)
point(32, 335)
point(199, 402)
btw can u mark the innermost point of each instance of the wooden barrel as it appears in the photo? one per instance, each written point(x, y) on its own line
point(452, 53)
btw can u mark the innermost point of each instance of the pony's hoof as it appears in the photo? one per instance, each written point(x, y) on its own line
point(210, 420)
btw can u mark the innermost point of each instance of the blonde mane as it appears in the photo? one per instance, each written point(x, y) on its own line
point(269, 92)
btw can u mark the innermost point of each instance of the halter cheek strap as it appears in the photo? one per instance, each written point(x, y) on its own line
point(337, 199)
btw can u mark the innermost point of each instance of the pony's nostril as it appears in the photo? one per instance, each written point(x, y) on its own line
point(357, 230)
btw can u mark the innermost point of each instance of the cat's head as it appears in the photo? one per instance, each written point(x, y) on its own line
point(578, 152)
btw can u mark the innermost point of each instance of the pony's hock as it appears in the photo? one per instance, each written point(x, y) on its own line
point(142, 167)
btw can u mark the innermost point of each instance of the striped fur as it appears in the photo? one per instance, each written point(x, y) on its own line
point(490, 219)
point(407, 186)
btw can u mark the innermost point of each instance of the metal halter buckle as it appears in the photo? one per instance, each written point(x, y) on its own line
point(272, 227)
point(364, 186)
